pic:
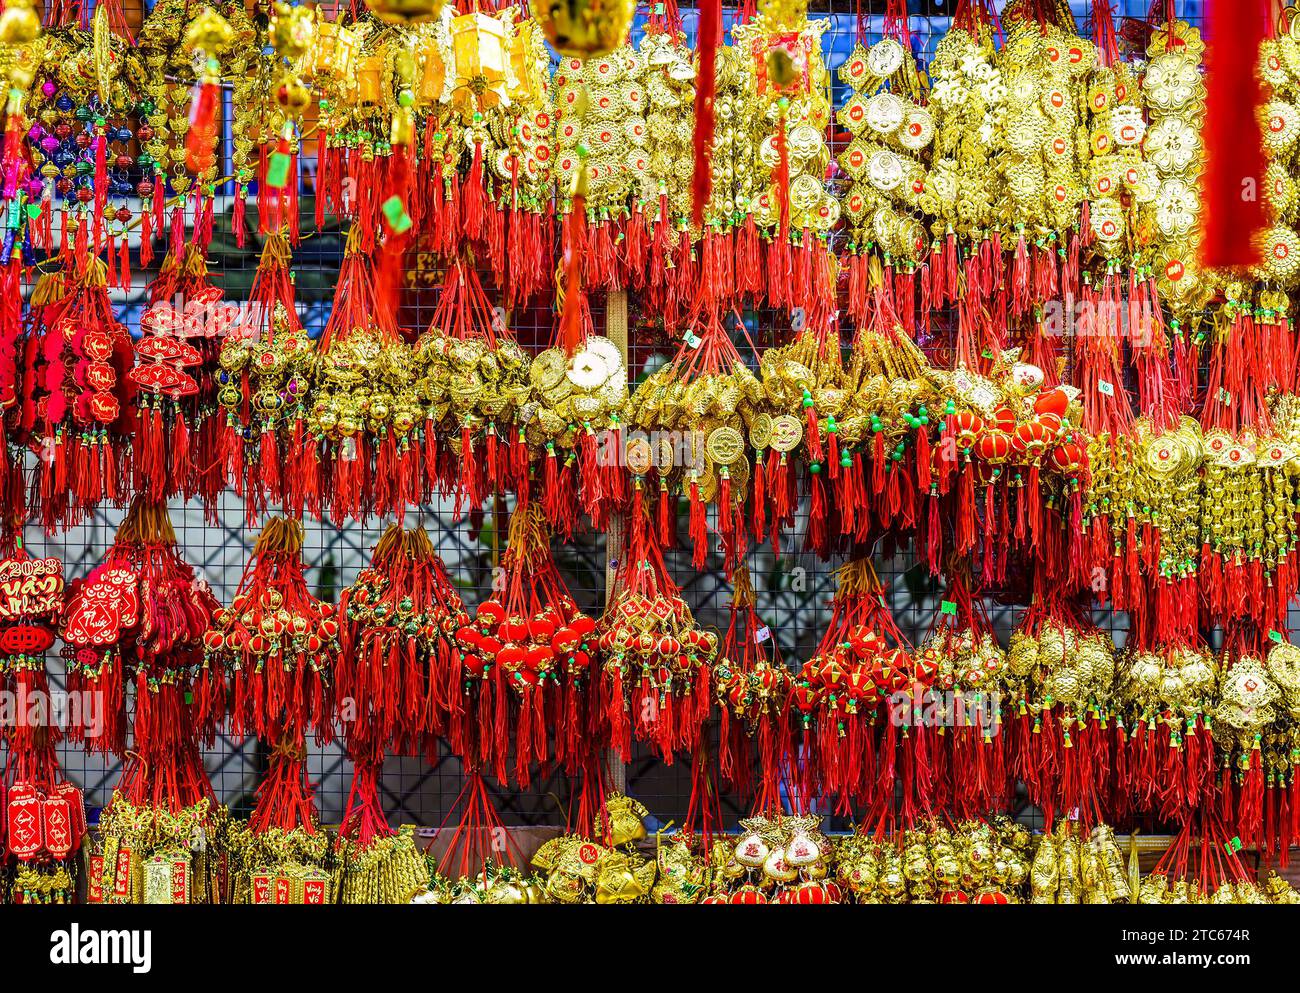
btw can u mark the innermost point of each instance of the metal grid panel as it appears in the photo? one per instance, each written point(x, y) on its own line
point(793, 590)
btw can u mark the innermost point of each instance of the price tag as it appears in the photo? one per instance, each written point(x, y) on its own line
point(1276, 636)
point(1233, 846)
point(1105, 388)
point(1224, 396)
point(692, 339)
point(395, 213)
point(762, 634)
point(277, 170)
point(948, 607)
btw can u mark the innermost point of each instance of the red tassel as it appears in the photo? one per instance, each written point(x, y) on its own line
point(1234, 169)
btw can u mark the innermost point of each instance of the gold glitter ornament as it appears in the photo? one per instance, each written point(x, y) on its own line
point(581, 29)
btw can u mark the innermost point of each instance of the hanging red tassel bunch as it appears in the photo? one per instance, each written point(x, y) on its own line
point(278, 643)
point(694, 415)
point(1061, 671)
point(655, 678)
point(1244, 468)
point(790, 209)
point(846, 696)
point(572, 446)
point(1165, 759)
point(527, 665)
point(44, 818)
point(141, 616)
point(177, 438)
point(395, 664)
point(78, 413)
point(753, 688)
point(956, 735)
point(887, 250)
point(476, 161)
point(1247, 719)
point(397, 671)
point(263, 380)
point(363, 405)
point(473, 378)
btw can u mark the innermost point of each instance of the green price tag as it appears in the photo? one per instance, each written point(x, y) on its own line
point(277, 170)
point(395, 211)
point(1276, 636)
point(1105, 388)
point(948, 607)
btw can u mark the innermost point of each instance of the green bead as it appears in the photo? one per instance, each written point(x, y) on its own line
point(815, 468)
point(406, 98)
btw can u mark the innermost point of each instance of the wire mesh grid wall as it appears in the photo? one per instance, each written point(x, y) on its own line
point(793, 588)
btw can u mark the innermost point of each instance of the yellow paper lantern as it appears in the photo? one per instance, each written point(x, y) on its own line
point(433, 70)
point(478, 45)
point(370, 74)
point(524, 66)
point(334, 55)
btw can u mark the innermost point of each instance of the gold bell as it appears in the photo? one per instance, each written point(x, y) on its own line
point(581, 29)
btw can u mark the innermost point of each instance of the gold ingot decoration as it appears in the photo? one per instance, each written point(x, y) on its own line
point(581, 29)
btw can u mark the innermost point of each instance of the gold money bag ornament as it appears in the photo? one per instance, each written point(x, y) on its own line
point(580, 29)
